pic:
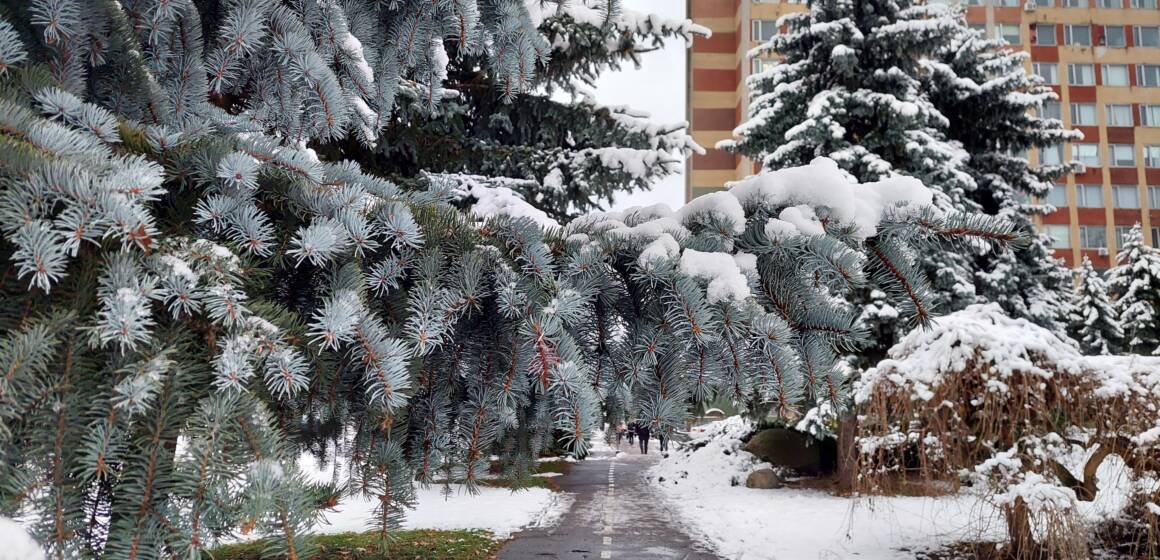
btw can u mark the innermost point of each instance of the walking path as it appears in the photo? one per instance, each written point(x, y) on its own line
point(616, 515)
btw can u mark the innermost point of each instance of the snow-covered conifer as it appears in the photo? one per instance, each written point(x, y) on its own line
point(1135, 283)
point(894, 87)
point(567, 153)
point(1094, 321)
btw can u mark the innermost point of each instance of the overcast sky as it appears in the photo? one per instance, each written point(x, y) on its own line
point(657, 87)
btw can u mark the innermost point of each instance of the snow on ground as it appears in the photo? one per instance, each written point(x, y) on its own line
point(499, 510)
point(706, 489)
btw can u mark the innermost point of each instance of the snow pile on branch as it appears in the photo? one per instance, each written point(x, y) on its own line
point(595, 13)
point(495, 198)
point(821, 184)
point(703, 482)
point(721, 270)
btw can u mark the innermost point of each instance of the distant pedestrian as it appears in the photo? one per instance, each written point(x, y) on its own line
point(663, 435)
point(631, 431)
point(642, 433)
point(620, 430)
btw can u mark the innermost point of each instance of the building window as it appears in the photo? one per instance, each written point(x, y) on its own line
point(1080, 35)
point(1119, 115)
point(1148, 75)
point(1151, 156)
point(1007, 3)
point(1122, 155)
point(1154, 199)
point(1122, 235)
point(1060, 236)
point(1048, 71)
point(1087, 154)
point(1008, 32)
point(1144, 4)
point(1114, 36)
point(1115, 75)
point(762, 64)
point(763, 30)
point(1083, 74)
point(1089, 196)
point(1150, 115)
point(1057, 196)
point(1125, 196)
point(1156, 237)
point(1052, 110)
point(1051, 155)
point(1083, 114)
point(1045, 34)
point(1146, 36)
point(1074, 3)
point(1111, 3)
point(1045, 3)
point(1093, 237)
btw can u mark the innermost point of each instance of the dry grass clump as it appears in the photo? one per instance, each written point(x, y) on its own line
point(1027, 425)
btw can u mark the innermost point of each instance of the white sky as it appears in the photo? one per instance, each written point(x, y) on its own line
point(658, 88)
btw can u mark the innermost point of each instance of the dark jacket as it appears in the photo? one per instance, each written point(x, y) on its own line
point(642, 432)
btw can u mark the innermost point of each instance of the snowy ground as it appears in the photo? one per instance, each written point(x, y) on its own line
point(790, 524)
point(498, 510)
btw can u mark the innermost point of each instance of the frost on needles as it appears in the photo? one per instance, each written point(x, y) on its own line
point(200, 289)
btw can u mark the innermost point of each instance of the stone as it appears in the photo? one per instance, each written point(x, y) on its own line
point(794, 450)
point(763, 479)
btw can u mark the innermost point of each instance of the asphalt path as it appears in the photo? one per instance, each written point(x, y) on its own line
point(616, 514)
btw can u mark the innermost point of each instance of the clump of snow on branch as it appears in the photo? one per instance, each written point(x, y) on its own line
point(823, 184)
point(494, 198)
point(726, 282)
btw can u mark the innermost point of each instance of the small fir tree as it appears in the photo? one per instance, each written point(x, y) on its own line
point(1094, 322)
point(1135, 283)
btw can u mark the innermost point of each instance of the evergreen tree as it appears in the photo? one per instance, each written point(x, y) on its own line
point(876, 85)
point(195, 297)
point(1094, 322)
point(570, 153)
point(990, 103)
point(1135, 283)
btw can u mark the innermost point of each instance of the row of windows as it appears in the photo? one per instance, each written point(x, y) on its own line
point(1081, 35)
point(1091, 237)
point(1115, 114)
point(1147, 75)
point(1119, 155)
point(1091, 196)
point(1137, 4)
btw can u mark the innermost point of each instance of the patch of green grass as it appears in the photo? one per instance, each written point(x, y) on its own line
point(560, 466)
point(411, 545)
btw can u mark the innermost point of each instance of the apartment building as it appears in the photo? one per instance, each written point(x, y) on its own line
point(1101, 56)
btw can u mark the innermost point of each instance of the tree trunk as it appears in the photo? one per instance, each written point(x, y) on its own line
point(847, 453)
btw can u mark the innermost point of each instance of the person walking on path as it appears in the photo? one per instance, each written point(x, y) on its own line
point(642, 433)
point(620, 429)
point(663, 436)
point(631, 430)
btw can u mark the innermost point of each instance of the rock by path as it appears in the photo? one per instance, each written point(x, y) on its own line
point(616, 515)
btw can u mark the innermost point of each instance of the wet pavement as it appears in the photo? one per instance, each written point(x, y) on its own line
point(616, 515)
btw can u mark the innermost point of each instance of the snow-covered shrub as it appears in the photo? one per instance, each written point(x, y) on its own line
point(1013, 410)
